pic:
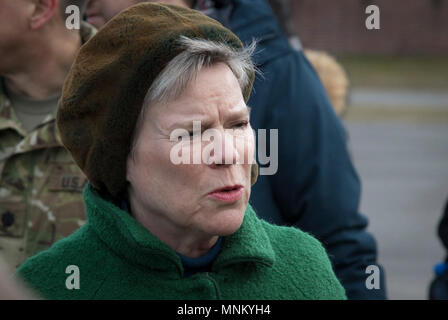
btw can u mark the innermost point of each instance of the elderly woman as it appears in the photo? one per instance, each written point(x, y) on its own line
point(157, 228)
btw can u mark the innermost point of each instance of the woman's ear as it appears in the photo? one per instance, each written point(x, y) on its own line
point(253, 173)
point(130, 165)
point(42, 12)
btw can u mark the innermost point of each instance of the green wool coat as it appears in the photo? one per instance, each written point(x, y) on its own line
point(117, 258)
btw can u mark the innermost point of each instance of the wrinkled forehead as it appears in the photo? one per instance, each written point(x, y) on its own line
point(182, 114)
point(214, 93)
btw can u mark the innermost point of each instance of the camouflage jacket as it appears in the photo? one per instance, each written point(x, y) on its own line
point(40, 185)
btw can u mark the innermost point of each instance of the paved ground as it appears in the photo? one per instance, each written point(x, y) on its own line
point(403, 163)
point(400, 98)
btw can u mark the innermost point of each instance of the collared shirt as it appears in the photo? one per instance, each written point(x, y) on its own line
point(40, 185)
point(203, 263)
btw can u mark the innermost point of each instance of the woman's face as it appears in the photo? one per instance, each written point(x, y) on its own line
point(173, 198)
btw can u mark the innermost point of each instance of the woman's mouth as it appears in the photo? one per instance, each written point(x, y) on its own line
point(228, 194)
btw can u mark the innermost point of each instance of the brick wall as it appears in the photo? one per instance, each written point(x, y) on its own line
point(338, 26)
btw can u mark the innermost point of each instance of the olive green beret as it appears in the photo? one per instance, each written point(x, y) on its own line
point(105, 88)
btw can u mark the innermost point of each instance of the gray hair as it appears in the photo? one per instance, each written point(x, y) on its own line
point(197, 53)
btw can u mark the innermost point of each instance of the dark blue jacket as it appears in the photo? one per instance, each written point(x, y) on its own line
point(316, 187)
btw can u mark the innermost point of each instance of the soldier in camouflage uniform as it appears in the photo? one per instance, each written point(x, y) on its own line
point(40, 185)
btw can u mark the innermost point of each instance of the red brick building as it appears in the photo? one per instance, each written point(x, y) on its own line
point(338, 26)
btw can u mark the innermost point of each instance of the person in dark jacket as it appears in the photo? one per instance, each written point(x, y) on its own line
point(316, 188)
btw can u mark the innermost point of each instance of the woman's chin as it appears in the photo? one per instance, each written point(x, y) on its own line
point(227, 223)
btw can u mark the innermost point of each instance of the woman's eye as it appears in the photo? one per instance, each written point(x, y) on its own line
point(241, 124)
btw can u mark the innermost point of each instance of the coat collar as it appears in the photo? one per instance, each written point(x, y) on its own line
point(136, 245)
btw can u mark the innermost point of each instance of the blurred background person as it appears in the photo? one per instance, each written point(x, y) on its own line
point(282, 10)
point(40, 185)
point(12, 288)
point(316, 187)
point(442, 230)
point(397, 121)
point(438, 289)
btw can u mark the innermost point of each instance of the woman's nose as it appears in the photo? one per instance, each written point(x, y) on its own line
point(224, 151)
